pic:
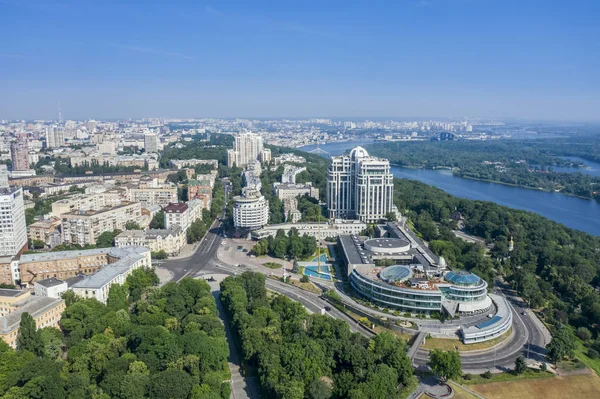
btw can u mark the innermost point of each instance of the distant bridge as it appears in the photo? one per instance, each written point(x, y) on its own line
point(319, 150)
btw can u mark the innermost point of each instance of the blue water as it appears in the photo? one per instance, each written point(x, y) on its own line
point(323, 259)
point(318, 272)
point(573, 212)
point(592, 168)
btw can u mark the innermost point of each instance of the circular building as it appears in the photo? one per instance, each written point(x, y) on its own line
point(387, 245)
point(398, 287)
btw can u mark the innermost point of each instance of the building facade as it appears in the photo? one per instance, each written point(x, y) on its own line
point(250, 211)
point(123, 261)
point(19, 154)
point(150, 143)
point(45, 311)
point(13, 229)
point(84, 227)
point(153, 195)
point(359, 187)
point(169, 240)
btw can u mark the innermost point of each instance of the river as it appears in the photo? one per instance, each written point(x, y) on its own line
point(573, 212)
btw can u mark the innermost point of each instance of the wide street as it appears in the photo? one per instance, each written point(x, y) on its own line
point(528, 339)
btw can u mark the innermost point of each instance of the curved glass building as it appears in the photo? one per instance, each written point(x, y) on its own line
point(396, 287)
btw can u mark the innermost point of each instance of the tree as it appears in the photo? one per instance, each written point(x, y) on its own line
point(158, 220)
point(139, 280)
point(29, 338)
point(171, 384)
point(131, 225)
point(520, 365)
point(107, 239)
point(38, 244)
point(160, 255)
point(319, 389)
point(563, 344)
point(445, 364)
point(583, 334)
point(117, 297)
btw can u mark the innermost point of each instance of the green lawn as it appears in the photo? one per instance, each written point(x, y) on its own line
point(530, 374)
point(580, 353)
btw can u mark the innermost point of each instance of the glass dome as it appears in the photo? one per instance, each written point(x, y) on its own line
point(461, 277)
point(391, 274)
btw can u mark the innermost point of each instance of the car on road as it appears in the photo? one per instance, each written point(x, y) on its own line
point(524, 313)
point(239, 248)
point(327, 308)
point(223, 242)
point(244, 250)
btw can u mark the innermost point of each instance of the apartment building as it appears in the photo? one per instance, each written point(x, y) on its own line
point(359, 187)
point(47, 231)
point(13, 229)
point(183, 214)
point(169, 240)
point(84, 227)
point(85, 202)
point(147, 196)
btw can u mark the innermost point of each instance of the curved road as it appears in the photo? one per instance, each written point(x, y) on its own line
point(526, 334)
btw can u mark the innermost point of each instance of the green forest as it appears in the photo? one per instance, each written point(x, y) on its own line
point(521, 163)
point(146, 341)
point(298, 355)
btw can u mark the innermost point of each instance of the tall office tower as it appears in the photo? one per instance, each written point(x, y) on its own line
point(359, 186)
point(150, 143)
point(3, 176)
point(13, 230)
point(248, 147)
point(19, 154)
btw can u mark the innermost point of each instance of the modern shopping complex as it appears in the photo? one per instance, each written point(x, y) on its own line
point(418, 282)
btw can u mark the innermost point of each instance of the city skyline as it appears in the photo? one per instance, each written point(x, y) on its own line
point(109, 60)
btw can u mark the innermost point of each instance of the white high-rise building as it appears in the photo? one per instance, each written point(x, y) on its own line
point(13, 229)
point(359, 186)
point(150, 143)
point(247, 148)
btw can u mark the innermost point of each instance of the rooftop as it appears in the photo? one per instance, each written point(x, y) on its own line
point(50, 282)
point(60, 255)
point(178, 207)
point(11, 293)
point(127, 256)
point(34, 305)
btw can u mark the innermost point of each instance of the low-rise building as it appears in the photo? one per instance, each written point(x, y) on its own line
point(124, 261)
point(291, 190)
point(50, 287)
point(169, 240)
point(322, 230)
point(45, 311)
point(283, 158)
point(182, 163)
point(62, 265)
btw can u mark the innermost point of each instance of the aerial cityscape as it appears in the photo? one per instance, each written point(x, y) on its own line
point(159, 241)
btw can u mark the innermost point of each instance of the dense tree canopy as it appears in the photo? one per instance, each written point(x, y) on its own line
point(162, 343)
point(298, 355)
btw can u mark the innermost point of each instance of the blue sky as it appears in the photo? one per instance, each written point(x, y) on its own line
point(528, 59)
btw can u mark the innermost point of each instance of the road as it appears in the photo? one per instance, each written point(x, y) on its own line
point(527, 340)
